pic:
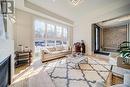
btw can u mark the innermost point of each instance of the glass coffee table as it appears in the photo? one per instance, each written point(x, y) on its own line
point(76, 60)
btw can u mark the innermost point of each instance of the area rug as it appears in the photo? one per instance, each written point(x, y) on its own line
point(63, 73)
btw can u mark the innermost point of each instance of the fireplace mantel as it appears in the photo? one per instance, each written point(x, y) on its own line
point(3, 55)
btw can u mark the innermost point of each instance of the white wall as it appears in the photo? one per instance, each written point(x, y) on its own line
point(23, 31)
point(24, 28)
point(82, 29)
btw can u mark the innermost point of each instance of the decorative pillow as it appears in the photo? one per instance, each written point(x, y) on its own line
point(46, 51)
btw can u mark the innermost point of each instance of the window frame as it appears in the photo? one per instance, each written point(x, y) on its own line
point(54, 37)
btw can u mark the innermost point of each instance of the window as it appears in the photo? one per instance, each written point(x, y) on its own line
point(64, 42)
point(40, 43)
point(58, 42)
point(58, 31)
point(39, 29)
point(50, 34)
point(50, 31)
point(50, 43)
point(65, 33)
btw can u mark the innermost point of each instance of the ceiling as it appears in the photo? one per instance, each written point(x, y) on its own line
point(66, 9)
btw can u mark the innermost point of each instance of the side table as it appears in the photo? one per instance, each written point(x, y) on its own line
point(23, 58)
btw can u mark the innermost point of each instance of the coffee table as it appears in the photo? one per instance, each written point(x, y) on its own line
point(76, 60)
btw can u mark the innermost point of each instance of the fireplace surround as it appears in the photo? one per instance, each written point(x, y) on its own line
point(106, 40)
point(5, 72)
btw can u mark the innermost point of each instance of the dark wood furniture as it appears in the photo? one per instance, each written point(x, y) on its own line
point(118, 74)
point(82, 47)
point(23, 58)
point(120, 63)
point(116, 79)
point(77, 47)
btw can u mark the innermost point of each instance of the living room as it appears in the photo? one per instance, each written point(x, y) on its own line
point(65, 43)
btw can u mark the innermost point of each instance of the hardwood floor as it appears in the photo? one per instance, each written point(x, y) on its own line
point(21, 68)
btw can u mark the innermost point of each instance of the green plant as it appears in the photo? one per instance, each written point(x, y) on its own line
point(124, 49)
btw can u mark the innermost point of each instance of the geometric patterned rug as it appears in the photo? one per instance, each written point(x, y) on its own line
point(63, 73)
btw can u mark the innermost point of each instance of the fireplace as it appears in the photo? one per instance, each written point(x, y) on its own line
point(5, 72)
point(107, 35)
point(107, 39)
point(113, 37)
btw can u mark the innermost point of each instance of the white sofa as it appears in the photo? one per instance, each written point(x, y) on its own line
point(51, 53)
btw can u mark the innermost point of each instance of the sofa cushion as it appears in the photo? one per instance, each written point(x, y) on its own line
point(59, 48)
point(54, 55)
point(51, 49)
point(56, 52)
point(64, 51)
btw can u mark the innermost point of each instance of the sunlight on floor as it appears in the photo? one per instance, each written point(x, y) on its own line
point(60, 72)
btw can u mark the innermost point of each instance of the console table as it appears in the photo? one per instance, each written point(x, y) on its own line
point(23, 58)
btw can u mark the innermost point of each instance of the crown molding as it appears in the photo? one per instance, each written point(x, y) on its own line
point(37, 8)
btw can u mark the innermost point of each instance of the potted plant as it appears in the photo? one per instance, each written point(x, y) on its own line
point(124, 50)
